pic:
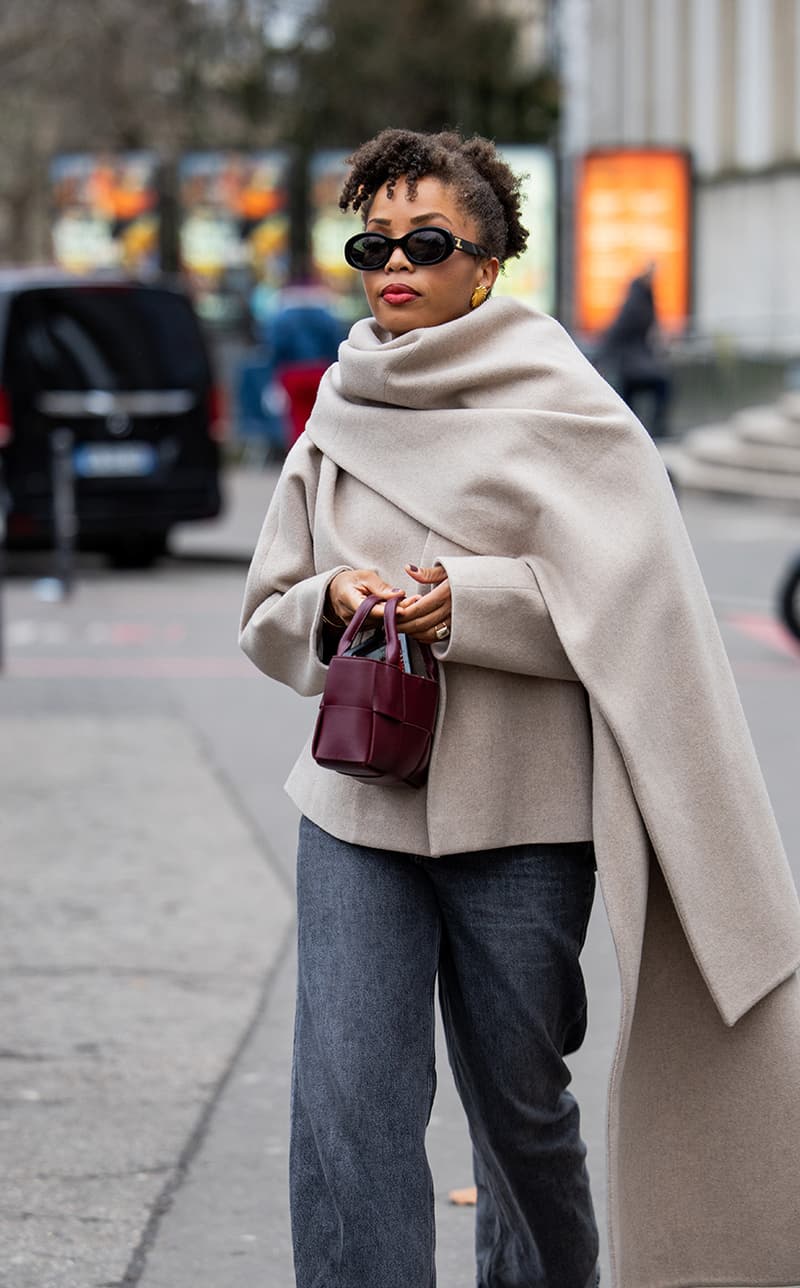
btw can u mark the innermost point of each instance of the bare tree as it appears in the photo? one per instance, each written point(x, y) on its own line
point(118, 74)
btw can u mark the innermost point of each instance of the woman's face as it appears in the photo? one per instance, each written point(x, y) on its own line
point(403, 295)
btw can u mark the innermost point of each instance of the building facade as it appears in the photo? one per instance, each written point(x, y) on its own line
point(721, 78)
point(534, 20)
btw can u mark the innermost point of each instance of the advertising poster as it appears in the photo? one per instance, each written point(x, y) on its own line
point(105, 211)
point(633, 209)
point(330, 229)
point(234, 227)
point(532, 277)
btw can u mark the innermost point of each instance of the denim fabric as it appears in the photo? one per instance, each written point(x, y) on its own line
point(503, 930)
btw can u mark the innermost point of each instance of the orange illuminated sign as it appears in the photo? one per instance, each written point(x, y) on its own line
point(633, 209)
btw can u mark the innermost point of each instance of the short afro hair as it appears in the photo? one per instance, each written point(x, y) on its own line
point(486, 186)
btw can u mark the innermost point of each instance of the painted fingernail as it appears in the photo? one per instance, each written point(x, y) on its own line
point(413, 567)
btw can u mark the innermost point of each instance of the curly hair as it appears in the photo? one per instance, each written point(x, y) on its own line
point(487, 188)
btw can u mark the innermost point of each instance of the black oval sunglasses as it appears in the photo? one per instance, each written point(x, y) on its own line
point(424, 246)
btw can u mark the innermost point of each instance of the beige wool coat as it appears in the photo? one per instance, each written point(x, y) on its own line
point(581, 635)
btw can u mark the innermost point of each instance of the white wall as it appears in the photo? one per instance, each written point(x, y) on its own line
point(754, 83)
point(747, 267)
point(666, 57)
point(704, 96)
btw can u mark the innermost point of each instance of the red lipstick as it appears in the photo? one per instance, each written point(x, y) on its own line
point(399, 293)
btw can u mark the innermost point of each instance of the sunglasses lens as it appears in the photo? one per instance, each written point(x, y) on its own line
point(428, 246)
point(373, 250)
point(368, 251)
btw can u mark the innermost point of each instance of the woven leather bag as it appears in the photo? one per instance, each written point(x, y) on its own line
point(376, 720)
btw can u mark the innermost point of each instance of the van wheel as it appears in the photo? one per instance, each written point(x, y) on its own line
point(137, 551)
point(789, 599)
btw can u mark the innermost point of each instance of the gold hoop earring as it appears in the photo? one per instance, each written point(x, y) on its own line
point(479, 296)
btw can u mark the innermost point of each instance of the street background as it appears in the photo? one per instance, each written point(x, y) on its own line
point(146, 954)
point(147, 949)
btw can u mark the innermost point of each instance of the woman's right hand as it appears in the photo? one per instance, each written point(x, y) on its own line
point(350, 588)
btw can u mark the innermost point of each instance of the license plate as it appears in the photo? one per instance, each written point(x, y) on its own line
point(114, 460)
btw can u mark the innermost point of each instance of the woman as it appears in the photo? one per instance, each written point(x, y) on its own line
point(462, 445)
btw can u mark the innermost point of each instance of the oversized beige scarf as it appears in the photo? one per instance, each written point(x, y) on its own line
point(494, 432)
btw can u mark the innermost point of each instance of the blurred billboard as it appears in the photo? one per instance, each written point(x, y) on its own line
point(633, 208)
point(330, 229)
point(105, 211)
point(531, 277)
point(234, 226)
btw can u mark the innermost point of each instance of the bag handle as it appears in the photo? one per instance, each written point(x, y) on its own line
point(393, 656)
point(389, 625)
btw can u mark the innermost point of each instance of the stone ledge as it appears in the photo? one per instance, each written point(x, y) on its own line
point(704, 476)
point(767, 425)
point(720, 444)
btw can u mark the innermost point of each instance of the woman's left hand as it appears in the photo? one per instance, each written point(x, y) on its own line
point(419, 615)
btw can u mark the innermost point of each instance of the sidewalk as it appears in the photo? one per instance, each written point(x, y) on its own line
point(142, 923)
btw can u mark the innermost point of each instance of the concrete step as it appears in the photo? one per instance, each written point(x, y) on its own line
point(721, 445)
point(770, 425)
point(789, 404)
point(693, 474)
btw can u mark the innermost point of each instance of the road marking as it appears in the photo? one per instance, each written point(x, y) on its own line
point(25, 632)
point(130, 668)
point(765, 630)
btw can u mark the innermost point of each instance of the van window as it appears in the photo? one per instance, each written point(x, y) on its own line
point(103, 337)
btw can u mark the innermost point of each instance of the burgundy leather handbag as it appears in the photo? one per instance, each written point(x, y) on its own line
point(376, 719)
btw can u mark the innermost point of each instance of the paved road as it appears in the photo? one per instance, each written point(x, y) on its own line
point(146, 956)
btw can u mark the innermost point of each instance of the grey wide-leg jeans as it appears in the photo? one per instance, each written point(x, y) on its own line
point(503, 930)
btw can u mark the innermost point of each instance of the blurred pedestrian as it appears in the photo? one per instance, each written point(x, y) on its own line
point(464, 446)
point(632, 354)
point(303, 336)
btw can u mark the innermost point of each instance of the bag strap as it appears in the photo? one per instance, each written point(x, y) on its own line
point(389, 627)
point(393, 655)
point(356, 622)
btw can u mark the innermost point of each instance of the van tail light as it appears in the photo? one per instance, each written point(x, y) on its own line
point(217, 415)
point(6, 431)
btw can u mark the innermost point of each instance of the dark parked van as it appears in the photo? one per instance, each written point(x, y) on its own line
point(124, 366)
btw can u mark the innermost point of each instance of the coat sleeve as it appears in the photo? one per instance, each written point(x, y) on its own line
point(285, 593)
point(500, 619)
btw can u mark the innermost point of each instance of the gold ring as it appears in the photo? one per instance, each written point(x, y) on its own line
point(442, 631)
